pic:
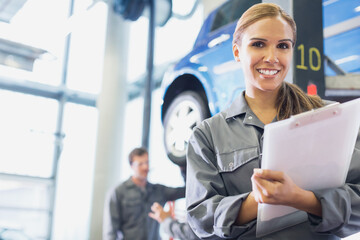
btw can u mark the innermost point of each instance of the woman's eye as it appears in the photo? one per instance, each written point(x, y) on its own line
point(258, 44)
point(283, 46)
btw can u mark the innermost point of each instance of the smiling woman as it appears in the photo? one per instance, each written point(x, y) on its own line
point(224, 182)
point(265, 52)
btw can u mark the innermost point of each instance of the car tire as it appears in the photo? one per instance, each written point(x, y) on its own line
point(186, 111)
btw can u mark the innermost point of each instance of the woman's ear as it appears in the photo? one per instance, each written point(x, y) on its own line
point(236, 52)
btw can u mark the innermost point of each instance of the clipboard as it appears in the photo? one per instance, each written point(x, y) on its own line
point(314, 148)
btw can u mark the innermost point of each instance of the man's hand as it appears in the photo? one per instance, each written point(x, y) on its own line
point(158, 213)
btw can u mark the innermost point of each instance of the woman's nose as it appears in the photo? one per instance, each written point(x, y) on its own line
point(271, 56)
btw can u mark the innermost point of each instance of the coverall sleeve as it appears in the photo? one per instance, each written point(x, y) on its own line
point(341, 206)
point(211, 213)
point(112, 221)
point(178, 230)
point(172, 194)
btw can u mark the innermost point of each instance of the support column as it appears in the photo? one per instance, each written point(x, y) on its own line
point(149, 81)
point(111, 105)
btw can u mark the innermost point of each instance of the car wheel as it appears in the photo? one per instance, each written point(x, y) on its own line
point(186, 111)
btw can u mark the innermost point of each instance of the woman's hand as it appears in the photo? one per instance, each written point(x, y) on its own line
point(275, 187)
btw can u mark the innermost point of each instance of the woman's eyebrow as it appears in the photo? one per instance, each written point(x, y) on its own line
point(265, 40)
point(287, 40)
point(259, 39)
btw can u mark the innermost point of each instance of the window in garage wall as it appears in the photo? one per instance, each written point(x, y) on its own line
point(49, 118)
point(27, 134)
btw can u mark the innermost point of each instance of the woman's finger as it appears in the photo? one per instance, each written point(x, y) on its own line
point(263, 185)
point(257, 191)
point(269, 174)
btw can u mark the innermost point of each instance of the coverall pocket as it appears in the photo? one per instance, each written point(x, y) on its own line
point(230, 161)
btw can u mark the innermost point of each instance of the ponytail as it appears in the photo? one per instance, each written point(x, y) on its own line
point(292, 100)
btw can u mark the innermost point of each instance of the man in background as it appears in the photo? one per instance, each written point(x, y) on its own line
point(128, 204)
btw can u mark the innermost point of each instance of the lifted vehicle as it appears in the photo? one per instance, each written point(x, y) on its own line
point(208, 79)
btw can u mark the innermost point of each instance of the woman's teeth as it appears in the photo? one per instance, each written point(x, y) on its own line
point(268, 72)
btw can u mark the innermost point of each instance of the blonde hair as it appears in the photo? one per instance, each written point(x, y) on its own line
point(291, 100)
point(258, 12)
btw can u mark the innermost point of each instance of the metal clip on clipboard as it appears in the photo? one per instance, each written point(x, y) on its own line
point(328, 111)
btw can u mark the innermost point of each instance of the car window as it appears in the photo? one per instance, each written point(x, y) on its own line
point(222, 17)
point(231, 11)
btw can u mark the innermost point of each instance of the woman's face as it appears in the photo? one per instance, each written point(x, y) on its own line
point(265, 52)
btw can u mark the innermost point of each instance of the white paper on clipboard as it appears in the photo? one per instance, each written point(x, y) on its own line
point(315, 149)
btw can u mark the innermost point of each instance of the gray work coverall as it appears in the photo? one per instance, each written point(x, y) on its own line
point(222, 153)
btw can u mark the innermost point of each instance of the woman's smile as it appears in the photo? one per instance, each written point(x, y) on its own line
point(268, 72)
